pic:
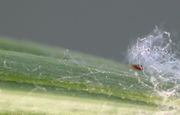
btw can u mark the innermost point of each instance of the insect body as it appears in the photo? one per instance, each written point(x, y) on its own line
point(137, 67)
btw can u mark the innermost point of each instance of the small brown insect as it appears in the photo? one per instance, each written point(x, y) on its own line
point(137, 67)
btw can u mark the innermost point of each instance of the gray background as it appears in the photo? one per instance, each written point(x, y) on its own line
point(100, 27)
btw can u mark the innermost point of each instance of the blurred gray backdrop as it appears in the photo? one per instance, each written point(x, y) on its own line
point(99, 27)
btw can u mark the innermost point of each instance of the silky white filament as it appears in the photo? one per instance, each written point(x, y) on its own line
point(156, 54)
